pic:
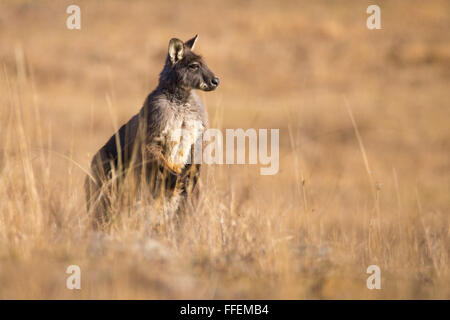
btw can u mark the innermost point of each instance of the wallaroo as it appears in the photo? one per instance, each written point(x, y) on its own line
point(145, 147)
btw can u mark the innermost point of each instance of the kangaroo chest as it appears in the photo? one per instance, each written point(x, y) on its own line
point(180, 134)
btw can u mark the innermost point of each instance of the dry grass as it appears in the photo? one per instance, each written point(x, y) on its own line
point(364, 150)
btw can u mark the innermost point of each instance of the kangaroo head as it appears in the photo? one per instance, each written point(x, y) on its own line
point(186, 69)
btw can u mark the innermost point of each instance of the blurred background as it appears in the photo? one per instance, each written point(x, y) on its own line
point(364, 149)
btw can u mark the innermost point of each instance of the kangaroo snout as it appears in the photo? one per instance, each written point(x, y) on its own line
point(215, 82)
point(211, 84)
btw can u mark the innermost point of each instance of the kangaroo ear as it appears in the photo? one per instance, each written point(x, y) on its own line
point(176, 50)
point(191, 43)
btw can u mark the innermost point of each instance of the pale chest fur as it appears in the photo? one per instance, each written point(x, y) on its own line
point(182, 130)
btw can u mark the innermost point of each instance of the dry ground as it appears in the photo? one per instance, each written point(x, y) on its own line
point(338, 203)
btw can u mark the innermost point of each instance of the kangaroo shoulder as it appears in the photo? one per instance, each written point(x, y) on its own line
point(155, 109)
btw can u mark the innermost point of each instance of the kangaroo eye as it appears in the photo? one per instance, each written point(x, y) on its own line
point(193, 66)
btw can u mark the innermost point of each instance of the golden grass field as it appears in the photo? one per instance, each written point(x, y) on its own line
point(349, 194)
